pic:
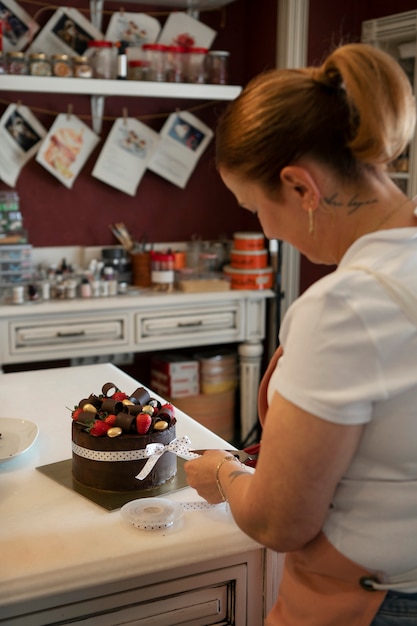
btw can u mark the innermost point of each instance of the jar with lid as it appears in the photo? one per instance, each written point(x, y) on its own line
point(156, 56)
point(102, 58)
point(16, 63)
point(39, 64)
point(162, 270)
point(196, 68)
point(218, 67)
point(82, 67)
point(137, 70)
point(176, 64)
point(61, 65)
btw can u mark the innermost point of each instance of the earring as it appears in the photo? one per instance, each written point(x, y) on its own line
point(310, 221)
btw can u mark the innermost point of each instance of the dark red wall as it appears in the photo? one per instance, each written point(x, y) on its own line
point(55, 215)
point(330, 24)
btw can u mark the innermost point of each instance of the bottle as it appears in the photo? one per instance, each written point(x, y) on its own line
point(218, 67)
point(82, 68)
point(122, 60)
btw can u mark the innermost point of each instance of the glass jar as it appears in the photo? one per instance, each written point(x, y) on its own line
point(156, 56)
point(162, 270)
point(61, 65)
point(137, 70)
point(16, 63)
point(176, 64)
point(39, 64)
point(196, 68)
point(218, 67)
point(81, 67)
point(2, 63)
point(102, 58)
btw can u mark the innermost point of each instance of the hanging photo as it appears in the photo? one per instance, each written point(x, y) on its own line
point(20, 136)
point(67, 32)
point(133, 28)
point(126, 154)
point(18, 27)
point(66, 148)
point(183, 140)
point(181, 29)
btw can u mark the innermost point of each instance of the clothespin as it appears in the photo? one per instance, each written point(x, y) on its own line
point(69, 111)
point(121, 11)
point(125, 116)
point(18, 104)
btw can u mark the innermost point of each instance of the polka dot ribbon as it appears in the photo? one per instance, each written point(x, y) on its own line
point(153, 451)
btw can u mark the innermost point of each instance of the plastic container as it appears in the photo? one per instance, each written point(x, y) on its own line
point(248, 241)
point(249, 279)
point(137, 70)
point(102, 58)
point(156, 56)
point(162, 271)
point(197, 65)
point(176, 64)
point(249, 259)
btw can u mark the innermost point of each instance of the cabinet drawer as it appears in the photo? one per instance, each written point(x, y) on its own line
point(66, 336)
point(217, 323)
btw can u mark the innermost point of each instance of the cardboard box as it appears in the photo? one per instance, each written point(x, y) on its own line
point(215, 411)
point(181, 389)
point(175, 365)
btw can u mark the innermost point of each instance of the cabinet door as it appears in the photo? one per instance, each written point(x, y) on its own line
point(397, 35)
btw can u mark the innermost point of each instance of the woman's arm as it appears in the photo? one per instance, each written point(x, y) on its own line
point(282, 505)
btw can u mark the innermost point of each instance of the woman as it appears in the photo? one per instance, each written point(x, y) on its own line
point(335, 487)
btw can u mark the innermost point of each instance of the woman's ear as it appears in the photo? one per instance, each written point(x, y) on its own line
point(299, 181)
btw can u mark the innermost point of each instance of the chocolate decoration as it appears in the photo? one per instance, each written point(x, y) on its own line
point(107, 387)
point(86, 418)
point(125, 421)
point(83, 401)
point(111, 406)
point(142, 395)
point(133, 409)
point(94, 400)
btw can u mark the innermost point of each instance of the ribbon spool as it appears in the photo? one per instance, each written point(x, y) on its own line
point(152, 513)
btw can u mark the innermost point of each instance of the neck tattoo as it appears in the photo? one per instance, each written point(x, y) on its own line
point(353, 204)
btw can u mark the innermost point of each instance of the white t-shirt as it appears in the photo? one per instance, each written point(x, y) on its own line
point(350, 357)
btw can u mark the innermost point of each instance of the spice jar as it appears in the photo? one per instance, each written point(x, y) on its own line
point(162, 270)
point(39, 64)
point(137, 70)
point(82, 67)
point(102, 58)
point(218, 67)
point(176, 64)
point(156, 56)
point(196, 68)
point(61, 65)
point(16, 63)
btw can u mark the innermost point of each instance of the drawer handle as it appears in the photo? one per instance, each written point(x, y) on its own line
point(73, 334)
point(187, 324)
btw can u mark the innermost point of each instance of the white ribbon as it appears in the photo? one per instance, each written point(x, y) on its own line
point(153, 451)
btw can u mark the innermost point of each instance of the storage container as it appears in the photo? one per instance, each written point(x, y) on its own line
point(249, 259)
point(248, 241)
point(250, 279)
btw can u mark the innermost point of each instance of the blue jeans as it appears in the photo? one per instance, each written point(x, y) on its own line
point(398, 609)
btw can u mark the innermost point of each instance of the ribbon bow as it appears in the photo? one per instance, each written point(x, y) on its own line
point(153, 451)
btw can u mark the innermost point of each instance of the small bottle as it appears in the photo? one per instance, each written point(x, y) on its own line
point(162, 271)
point(39, 64)
point(61, 65)
point(16, 63)
point(176, 64)
point(196, 68)
point(122, 60)
point(156, 55)
point(85, 289)
point(137, 70)
point(82, 67)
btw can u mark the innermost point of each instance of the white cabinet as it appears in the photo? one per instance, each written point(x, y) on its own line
point(397, 35)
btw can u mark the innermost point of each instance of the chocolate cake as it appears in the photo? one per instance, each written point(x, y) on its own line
point(110, 434)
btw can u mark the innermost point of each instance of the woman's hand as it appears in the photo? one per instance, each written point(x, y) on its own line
point(201, 475)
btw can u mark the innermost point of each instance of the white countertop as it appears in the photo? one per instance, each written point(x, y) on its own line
point(54, 540)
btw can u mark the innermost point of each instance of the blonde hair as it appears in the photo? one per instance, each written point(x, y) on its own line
point(354, 112)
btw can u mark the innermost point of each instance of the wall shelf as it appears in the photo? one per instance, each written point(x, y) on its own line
point(98, 89)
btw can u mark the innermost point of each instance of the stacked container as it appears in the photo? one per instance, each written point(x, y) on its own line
point(249, 267)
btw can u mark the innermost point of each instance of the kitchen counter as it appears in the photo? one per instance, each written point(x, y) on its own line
point(64, 557)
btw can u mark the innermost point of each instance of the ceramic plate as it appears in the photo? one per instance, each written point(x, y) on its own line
point(17, 436)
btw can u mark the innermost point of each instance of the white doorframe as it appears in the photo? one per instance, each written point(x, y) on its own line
point(292, 40)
